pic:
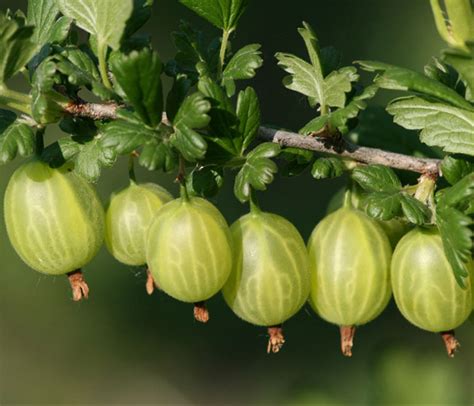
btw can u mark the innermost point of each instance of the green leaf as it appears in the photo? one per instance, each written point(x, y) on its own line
point(444, 126)
point(454, 169)
point(193, 112)
point(190, 143)
point(377, 178)
point(383, 205)
point(457, 240)
point(124, 136)
point(47, 104)
point(465, 66)
point(396, 78)
point(414, 210)
point(324, 168)
point(138, 75)
point(157, 154)
point(105, 19)
point(177, 94)
point(16, 137)
point(42, 15)
point(16, 46)
point(192, 115)
point(257, 172)
point(297, 161)
point(243, 65)
point(459, 195)
point(223, 14)
point(304, 78)
point(88, 154)
point(205, 181)
point(81, 71)
point(248, 113)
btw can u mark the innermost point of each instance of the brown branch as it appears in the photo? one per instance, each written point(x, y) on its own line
point(317, 143)
point(351, 151)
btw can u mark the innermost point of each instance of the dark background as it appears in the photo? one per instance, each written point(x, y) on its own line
point(122, 346)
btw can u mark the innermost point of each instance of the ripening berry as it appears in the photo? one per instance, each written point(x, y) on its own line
point(189, 249)
point(54, 218)
point(128, 217)
point(270, 277)
point(350, 262)
point(424, 286)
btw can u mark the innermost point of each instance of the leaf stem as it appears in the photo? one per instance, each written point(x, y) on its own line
point(181, 178)
point(254, 206)
point(40, 140)
point(131, 168)
point(15, 100)
point(102, 55)
point(223, 50)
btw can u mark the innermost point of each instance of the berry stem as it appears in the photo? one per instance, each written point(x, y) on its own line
point(131, 168)
point(276, 339)
point(254, 206)
point(80, 289)
point(201, 313)
point(347, 339)
point(451, 343)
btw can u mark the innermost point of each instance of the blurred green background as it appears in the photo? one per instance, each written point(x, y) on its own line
point(122, 346)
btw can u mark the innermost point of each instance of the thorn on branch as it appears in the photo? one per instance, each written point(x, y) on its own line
point(80, 289)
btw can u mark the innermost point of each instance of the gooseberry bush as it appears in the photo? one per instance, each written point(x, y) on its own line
point(92, 72)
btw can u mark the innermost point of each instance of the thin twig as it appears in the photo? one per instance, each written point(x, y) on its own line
point(318, 143)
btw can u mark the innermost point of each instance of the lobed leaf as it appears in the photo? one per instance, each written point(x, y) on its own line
point(16, 137)
point(42, 14)
point(224, 14)
point(454, 169)
point(324, 168)
point(242, 65)
point(16, 46)
point(454, 228)
point(448, 127)
point(105, 19)
point(138, 75)
point(396, 78)
point(257, 172)
point(248, 114)
point(377, 178)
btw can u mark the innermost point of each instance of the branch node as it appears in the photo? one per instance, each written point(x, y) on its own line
point(80, 289)
point(276, 339)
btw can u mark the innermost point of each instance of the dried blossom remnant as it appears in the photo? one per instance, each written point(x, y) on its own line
point(150, 283)
point(80, 289)
point(451, 343)
point(347, 339)
point(201, 313)
point(276, 339)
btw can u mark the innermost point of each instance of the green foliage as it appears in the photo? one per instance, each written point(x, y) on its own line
point(309, 79)
point(454, 169)
point(16, 45)
point(386, 198)
point(257, 172)
point(138, 75)
point(242, 65)
point(16, 137)
point(42, 14)
point(223, 14)
point(324, 168)
point(104, 19)
point(448, 127)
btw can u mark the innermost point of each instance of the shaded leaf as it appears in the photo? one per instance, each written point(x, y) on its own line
point(205, 181)
point(377, 178)
point(16, 137)
point(223, 14)
point(324, 168)
point(242, 65)
point(138, 75)
point(454, 169)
